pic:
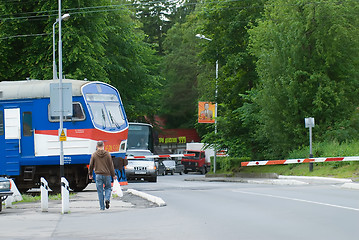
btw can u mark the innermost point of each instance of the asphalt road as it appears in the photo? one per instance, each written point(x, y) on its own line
point(202, 210)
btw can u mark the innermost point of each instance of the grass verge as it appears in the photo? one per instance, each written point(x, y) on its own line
point(332, 169)
point(320, 149)
point(30, 198)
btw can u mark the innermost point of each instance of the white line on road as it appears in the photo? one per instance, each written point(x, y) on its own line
point(297, 199)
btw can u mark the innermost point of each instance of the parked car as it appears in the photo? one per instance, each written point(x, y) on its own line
point(173, 167)
point(5, 186)
point(179, 168)
point(170, 166)
point(141, 168)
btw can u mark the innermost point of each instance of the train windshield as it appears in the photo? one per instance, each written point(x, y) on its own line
point(106, 111)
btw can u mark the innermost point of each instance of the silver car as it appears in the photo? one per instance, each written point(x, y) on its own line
point(170, 166)
point(142, 167)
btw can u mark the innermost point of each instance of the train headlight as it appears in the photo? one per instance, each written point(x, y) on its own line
point(123, 146)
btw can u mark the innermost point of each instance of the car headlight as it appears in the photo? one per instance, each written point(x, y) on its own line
point(129, 167)
point(5, 186)
point(151, 167)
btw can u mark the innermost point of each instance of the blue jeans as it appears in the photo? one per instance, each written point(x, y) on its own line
point(102, 180)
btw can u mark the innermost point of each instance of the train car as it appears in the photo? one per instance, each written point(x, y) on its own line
point(29, 135)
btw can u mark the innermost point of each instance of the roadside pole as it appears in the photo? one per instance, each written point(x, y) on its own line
point(44, 195)
point(309, 123)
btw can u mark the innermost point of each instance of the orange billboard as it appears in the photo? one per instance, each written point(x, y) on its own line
point(206, 112)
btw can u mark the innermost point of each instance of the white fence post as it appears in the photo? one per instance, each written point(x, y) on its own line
point(44, 195)
point(65, 195)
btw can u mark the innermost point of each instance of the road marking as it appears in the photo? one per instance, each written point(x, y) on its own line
point(298, 200)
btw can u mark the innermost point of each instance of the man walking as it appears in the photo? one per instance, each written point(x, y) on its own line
point(101, 162)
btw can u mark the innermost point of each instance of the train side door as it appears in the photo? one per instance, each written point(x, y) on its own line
point(27, 133)
point(18, 139)
point(12, 138)
point(2, 142)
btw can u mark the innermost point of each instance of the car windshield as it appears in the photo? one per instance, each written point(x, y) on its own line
point(195, 157)
point(169, 163)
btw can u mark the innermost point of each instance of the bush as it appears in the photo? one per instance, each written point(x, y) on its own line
point(328, 149)
point(227, 164)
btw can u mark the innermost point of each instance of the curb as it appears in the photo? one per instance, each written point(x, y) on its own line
point(338, 180)
point(283, 180)
point(351, 186)
point(157, 200)
point(216, 179)
point(278, 182)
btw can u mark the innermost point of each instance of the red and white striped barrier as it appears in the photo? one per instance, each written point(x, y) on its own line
point(305, 160)
point(161, 156)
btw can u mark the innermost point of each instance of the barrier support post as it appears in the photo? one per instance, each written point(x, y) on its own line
point(310, 149)
point(44, 195)
point(65, 195)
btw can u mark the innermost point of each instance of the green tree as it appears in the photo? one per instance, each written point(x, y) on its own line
point(179, 100)
point(308, 67)
point(154, 16)
point(226, 23)
point(99, 43)
point(31, 56)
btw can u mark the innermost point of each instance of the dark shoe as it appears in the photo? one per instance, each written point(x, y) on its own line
point(107, 202)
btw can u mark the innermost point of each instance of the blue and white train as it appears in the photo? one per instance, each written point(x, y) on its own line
point(29, 138)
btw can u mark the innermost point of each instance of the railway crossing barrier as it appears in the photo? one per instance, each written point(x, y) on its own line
point(304, 160)
point(160, 156)
point(65, 195)
point(44, 195)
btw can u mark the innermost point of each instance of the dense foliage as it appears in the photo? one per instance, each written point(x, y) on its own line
point(101, 42)
point(308, 67)
point(279, 62)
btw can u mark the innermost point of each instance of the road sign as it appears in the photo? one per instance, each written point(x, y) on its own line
point(309, 122)
point(55, 110)
point(62, 134)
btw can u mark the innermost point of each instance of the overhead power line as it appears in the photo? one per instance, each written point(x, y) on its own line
point(26, 35)
point(112, 8)
point(130, 6)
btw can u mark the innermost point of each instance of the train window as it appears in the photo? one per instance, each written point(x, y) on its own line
point(27, 123)
point(115, 114)
point(99, 115)
point(78, 114)
point(1, 123)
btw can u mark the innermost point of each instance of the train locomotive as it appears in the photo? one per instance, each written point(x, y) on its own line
point(29, 134)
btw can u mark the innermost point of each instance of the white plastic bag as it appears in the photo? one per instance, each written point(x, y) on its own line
point(116, 189)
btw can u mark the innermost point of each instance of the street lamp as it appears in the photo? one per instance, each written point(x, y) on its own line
point(201, 36)
point(61, 97)
point(64, 17)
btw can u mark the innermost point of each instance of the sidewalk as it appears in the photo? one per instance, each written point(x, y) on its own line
point(82, 202)
point(27, 221)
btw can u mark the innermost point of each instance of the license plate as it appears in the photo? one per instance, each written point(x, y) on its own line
point(140, 172)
